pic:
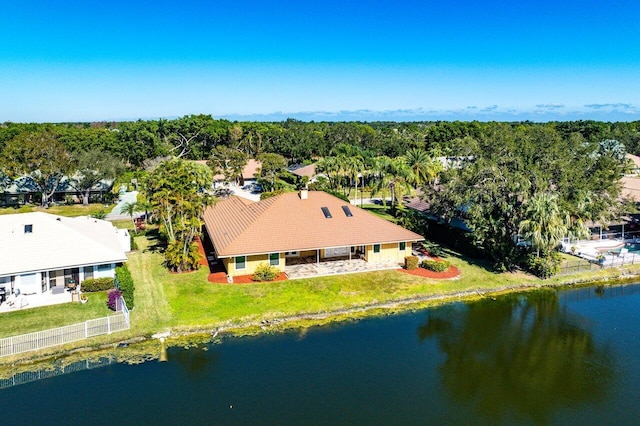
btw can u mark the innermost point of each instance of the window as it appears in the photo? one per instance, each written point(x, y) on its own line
point(402, 246)
point(274, 259)
point(326, 212)
point(241, 262)
point(28, 229)
point(292, 253)
point(376, 248)
point(347, 211)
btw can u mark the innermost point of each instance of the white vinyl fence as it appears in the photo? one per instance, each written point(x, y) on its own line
point(32, 376)
point(70, 333)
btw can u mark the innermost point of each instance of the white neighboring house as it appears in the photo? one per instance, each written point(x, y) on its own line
point(41, 252)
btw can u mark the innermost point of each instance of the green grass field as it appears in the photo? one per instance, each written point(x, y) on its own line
point(46, 317)
point(72, 210)
point(184, 302)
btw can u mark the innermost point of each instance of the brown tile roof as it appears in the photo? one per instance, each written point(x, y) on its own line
point(308, 170)
point(249, 172)
point(635, 159)
point(288, 223)
point(631, 188)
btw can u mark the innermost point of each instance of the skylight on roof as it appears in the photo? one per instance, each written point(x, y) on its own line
point(326, 212)
point(347, 211)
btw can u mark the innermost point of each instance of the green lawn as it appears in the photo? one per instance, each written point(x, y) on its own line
point(381, 211)
point(188, 300)
point(70, 211)
point(184, 302)
point(46, 317)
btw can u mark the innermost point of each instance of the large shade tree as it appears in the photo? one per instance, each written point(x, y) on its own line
point(178, 192)
point(94, 166)
point(272, 165)
point(229, 162)
point(40, 155)
point(492, 187)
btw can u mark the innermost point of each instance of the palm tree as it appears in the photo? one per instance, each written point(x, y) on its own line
point(545, 224)
point(330, 167)
point(424, 169)
point(130, 209)
point(353, 168)
point(393, 175)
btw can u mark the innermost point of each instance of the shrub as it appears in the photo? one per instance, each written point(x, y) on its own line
point(125, 282)
point(265, 272)
point(97, 284)
point(112, 298)
point(545, 266)
point(436, 265)
point(177, 260)
point(132, 241)
point(410, 262)
point(100, 214)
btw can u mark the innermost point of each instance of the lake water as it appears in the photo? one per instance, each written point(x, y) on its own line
point(571, 357)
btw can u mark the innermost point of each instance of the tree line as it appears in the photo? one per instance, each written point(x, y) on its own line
point(195, 137)
point(510, 182)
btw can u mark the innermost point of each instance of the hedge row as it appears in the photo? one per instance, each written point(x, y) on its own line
point(91, 285)
point(436, 265)
point(126, 285)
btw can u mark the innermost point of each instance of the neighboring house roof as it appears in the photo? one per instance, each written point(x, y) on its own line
point(631, 188)
point(249, 172)
point(56, 242)
point(289, 223)
point(308, 170)
point(635, 159)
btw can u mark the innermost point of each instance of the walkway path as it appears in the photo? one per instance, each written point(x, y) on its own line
point(127, 197)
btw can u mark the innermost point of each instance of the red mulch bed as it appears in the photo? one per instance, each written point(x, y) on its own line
point(221, 278)
point(203, 259)
point(452, 272)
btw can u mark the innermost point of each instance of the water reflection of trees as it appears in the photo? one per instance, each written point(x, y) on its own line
point(518, 357)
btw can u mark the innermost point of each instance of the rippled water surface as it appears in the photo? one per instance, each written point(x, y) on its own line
point(571, 357)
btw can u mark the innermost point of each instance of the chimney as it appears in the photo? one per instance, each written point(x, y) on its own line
point(304, 194)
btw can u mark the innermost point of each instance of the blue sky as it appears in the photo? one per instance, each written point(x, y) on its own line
point(84, 60)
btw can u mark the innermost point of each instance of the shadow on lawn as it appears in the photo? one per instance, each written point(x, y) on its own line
point(444, 251)
point(156, 244)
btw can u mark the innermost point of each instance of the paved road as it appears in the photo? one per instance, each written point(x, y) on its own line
point(127, 197)
point(358, 201)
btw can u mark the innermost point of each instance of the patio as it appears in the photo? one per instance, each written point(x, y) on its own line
point(336, 267)
point(35, 301)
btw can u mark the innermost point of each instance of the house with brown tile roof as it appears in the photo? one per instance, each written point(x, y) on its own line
point(290, 228)
point(250, 171)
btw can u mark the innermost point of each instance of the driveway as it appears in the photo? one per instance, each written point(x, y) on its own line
point(127, 197)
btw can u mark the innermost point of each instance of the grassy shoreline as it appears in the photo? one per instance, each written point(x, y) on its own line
point(187, 305)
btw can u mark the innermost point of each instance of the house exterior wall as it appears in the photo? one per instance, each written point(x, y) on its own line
point(31, 283)
point(251, 264)
point(102, 271)
point(388, 252)
point(308, 253)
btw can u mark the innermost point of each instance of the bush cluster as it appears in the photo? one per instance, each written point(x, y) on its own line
point(112, 298)
point(91, 285)
point(125, 282)
point(265, 272)
point(544, 267)
point(411, 262)
point(436, 265)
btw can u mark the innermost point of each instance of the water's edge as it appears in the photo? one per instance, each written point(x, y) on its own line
point(144, 348)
